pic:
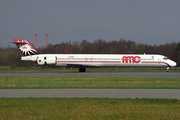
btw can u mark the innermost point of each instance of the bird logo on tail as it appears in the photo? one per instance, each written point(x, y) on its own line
point(25, 47)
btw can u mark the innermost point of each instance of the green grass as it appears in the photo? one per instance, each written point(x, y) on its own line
point(5, 67)
point(88, 109)
point(58, 82)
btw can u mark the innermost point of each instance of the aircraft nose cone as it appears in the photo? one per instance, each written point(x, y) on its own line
point(173, 64)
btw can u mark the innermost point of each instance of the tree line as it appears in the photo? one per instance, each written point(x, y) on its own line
point(10, 56)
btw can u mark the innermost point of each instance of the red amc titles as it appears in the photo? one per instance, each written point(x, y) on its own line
point(131, 59)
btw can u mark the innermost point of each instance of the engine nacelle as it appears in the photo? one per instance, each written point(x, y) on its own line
point(49, 60)
point(40, 61)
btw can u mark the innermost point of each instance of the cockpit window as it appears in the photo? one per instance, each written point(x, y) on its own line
point(165, 58)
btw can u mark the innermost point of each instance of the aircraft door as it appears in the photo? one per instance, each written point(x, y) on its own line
point(159, 60)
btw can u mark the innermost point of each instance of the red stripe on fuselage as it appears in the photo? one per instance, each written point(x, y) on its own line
point(110, 62)
point(157, 63)
point(87, 62)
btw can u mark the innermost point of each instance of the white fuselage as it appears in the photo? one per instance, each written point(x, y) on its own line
point(101, 60)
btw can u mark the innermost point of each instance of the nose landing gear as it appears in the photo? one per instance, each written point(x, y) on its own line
point(167, 68)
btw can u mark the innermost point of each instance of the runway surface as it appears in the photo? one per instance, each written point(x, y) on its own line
point(92, 93)
point(102, 74)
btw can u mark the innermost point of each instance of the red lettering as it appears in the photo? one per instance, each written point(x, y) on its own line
point(131, 59)
point(137, 59)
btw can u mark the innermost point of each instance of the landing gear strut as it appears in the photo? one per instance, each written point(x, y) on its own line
point(167, 69)
point(82, 69)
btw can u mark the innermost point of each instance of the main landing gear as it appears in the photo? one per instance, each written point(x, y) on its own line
point(82, 69)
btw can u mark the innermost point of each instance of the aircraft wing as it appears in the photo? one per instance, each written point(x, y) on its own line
point(82, 65)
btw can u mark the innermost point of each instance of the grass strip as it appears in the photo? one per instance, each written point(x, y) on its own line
point(88, 109)
point(58, 82)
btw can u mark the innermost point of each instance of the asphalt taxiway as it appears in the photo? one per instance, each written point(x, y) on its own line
point(92, 93)
point(100, 74)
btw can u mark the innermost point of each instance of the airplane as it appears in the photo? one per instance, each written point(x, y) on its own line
point(83, 61)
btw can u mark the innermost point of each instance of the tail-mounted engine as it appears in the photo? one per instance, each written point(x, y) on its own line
point(46, 60)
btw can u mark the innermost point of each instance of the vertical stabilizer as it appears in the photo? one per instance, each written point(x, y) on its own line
point(25, 47)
